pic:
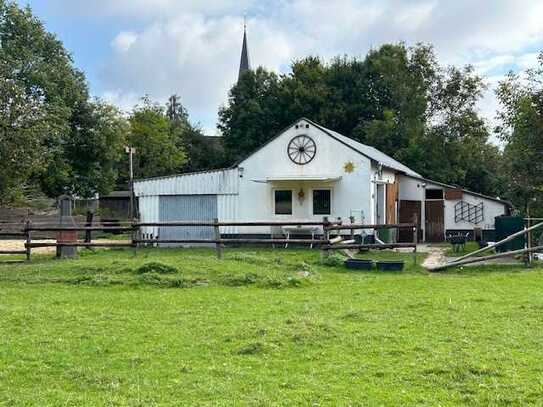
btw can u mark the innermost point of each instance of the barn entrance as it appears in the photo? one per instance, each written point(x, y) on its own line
point(434, 212)
point(410, 212)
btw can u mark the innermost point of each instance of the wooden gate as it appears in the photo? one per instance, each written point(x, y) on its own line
point(410, 212)
point(435, 221)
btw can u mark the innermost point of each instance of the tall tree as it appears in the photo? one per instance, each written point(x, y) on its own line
point(521, 98)
point(158, 141)
point(398, 99)
point(252, 114)
point(38, 63)
point(22, 128)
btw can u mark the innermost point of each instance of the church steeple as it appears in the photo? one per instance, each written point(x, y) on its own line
point(244, 63)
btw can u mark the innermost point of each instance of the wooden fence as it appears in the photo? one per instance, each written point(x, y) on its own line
point(325, 242)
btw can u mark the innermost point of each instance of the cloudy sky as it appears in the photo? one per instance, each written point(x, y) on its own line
point(129, 48)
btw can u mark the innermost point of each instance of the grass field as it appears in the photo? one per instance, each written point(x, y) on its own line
point(265, 327)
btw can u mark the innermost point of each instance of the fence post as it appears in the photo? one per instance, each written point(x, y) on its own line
point(528, 256)
point(415, 241)
point(351, 218)
point(218, 246)
point(28, 241)
point(88, 233)
point(326, 235)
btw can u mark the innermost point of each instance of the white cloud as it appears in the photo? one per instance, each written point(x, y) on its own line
point(124, 40)
point(192, 47)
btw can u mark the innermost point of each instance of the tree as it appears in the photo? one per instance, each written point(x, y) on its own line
point(158, 141)
point(521, 98)
point(203, 152)
point(398, 99)
point(252, 114)
point(82, 137)
point(22, 128)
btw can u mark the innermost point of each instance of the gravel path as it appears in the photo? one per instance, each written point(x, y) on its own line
point(436, 255)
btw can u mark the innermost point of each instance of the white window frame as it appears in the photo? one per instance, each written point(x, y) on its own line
point(273, 201)
point(331, 200)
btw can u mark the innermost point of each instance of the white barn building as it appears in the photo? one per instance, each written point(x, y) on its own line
point(305, 173)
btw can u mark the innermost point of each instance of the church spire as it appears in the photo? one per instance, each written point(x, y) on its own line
point(244, 63)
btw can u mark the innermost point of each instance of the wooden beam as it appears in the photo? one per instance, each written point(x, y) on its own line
point(484, 258)
point(491, 246)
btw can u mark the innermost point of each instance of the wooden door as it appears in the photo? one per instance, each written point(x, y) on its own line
point(391, 199)
point(410, 212)
point(435, 221)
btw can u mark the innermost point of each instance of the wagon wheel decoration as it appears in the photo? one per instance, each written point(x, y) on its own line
point(301, 149)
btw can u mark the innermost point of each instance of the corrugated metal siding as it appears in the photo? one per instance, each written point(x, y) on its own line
point(205, 183)
point(148, 207)
point(227, 207)
point(187, 207)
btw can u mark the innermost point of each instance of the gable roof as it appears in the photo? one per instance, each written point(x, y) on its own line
point(368, 151)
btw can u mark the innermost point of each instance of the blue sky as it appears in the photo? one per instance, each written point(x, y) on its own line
point(129, 48)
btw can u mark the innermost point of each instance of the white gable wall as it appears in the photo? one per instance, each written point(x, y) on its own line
point(351, 193)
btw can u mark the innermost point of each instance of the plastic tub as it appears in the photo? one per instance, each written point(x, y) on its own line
point(390, 265)
point(359, 264)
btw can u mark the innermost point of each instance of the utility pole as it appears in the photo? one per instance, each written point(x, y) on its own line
point(131, 151)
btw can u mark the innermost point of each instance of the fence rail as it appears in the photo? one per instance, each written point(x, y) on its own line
point(329, 227)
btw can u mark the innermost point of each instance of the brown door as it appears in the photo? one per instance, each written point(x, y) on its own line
point(392, 197)
point(435, 221)
point(410, 212)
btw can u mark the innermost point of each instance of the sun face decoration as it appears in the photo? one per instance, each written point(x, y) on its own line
point(348, 167)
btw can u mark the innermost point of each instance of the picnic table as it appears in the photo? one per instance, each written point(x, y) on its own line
point(299, 230)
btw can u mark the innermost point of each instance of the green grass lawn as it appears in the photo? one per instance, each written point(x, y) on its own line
point(265, 327)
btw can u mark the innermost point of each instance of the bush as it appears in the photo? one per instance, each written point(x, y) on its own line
point(157, 268)
point(334, 260)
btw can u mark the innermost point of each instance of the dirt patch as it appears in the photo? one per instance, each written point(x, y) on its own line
point(436, 256)
point(20, 245)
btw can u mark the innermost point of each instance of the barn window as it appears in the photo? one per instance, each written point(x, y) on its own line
point(322, 202)
point(283, 202)
point(434, 193)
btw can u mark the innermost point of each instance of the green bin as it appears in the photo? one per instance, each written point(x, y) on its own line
point(506, 226)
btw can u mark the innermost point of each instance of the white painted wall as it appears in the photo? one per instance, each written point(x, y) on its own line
point(351, 192)
point(491, 209)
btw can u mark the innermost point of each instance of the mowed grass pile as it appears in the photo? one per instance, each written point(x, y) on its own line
point(266, 327)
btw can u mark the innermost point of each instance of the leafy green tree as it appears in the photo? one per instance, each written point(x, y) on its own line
point(521, 98)
point(398, 99)
point(252, 114)
point(158, 141)
point(22, 128)
point(203, 152)
point(79, 149)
